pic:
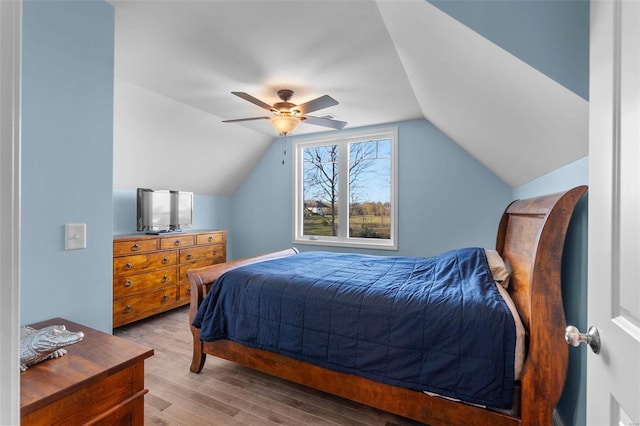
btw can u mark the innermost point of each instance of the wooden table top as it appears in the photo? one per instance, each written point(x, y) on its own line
point(95, 357)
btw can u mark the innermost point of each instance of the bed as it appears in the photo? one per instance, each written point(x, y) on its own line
point(530, 238)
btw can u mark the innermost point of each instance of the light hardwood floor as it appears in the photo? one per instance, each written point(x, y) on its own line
point(225, 393)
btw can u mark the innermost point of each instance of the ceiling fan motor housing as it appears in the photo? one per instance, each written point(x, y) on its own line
point(285, 107)
point(285, 94)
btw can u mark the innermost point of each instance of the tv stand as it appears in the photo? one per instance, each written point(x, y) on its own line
point(150, 271)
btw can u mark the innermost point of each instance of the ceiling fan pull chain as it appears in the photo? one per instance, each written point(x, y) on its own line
point(284, 148)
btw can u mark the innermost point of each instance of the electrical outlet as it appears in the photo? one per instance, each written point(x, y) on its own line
point(75, 236)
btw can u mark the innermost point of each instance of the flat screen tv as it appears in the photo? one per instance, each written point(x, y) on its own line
point(164, 210)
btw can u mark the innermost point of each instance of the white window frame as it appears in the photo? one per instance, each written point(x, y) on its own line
point(342, 240)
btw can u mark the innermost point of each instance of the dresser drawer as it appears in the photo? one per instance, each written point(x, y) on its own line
point(135, 246)
point(210, 238)
point(197, 254)
point(136, 283)
point(184, 293)
point(133, 308)
point(141, 262)
point(177, 241)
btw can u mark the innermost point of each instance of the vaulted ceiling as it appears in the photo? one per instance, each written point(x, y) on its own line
point(176, 63)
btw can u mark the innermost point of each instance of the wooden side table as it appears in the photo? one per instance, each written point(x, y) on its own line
point(99, 381)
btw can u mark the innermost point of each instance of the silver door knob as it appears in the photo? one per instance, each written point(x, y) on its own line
point(573, 337)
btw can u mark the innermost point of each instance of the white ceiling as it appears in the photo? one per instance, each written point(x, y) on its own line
point(176, 63)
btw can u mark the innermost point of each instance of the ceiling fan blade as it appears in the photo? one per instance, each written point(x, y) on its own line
point(246, 119)
point(255, 101)
point(326, 122)
point(325, 101)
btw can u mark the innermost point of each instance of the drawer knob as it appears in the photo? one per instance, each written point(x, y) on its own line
point(215, 252)
point(177, 242)
point(127, 283)
point(210, 238)
point(189, 290)
point(127, 309)
point(189, 256)
point(165, 278)
point(165, 260)
point(135, 247)
point(165, 298)
point(128, 266)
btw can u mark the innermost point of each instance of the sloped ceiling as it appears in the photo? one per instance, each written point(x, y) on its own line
point(176, 63)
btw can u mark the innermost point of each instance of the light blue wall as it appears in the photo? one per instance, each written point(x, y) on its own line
point(67, 133)
point(572, 405)
point(567, 177)
point(447, 199)
point(551, 36)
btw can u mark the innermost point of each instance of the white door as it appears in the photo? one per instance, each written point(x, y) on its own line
point(613, 376)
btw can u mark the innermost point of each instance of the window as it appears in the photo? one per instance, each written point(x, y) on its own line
point(345, 190)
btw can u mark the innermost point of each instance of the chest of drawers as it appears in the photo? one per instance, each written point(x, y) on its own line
point(150, 271)
point(100, 381)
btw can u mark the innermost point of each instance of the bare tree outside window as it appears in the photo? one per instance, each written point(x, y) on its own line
point(345, 189)
point(369, 169)
point(321, 190)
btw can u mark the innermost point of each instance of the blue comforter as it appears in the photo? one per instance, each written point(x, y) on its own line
point(433, 324)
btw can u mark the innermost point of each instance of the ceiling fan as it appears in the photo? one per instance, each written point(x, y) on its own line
point(286, 115)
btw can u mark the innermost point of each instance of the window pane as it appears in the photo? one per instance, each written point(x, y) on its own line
point(344, 193)
point(370, 189)
point(320, 191)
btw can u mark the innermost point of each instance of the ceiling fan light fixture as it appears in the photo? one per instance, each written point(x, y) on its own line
point(285, 123)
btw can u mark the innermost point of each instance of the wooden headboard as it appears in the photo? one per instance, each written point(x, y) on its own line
point(531, 237)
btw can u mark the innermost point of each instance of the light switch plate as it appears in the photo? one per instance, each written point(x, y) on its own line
point(75, 236)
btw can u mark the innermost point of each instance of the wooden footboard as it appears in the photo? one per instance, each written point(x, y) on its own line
point(201, 279)
point(531, 236)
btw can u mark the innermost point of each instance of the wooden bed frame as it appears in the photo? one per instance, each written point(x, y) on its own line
point(531, 236)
